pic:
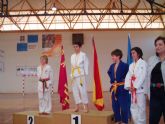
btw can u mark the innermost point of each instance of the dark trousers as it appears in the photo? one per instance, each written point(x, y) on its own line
point(157, 109)
point(120, 105)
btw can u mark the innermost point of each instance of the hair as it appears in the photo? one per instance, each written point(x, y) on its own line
point(45, 57)
point(138, 51)
point(157, 39)
point(79, 43)
point(117, 52)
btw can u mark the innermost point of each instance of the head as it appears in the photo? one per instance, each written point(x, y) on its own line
point(77, 45)
point(160, 45)
point(116, 55)
point(136, 53)
point(44, 60)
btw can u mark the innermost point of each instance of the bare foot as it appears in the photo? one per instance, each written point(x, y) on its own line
point(118, 123)
point(40, 113)
point(76, 110)
point(86, 111)
point(45, 113)
point(85, 108)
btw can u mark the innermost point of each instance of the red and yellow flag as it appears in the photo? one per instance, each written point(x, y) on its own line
point(97, 91)
point(63, 85)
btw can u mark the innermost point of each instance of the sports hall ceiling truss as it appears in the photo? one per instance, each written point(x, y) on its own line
point(81, 14)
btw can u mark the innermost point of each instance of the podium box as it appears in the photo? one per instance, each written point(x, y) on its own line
point(64, 117)
point(22, 118)
point(92, 117)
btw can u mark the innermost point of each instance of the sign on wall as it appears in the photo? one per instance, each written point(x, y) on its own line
point(27, 71)
point(32, 42)
point(29, 44)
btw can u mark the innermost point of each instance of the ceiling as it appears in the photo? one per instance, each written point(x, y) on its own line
point(81, 14)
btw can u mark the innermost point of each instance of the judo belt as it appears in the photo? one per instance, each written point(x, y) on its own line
point(114, 87)
point(157, 85)
point(44, 85)
point(79, 72)
point(133, 90)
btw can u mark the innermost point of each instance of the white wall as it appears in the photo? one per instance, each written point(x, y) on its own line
point(106, 41)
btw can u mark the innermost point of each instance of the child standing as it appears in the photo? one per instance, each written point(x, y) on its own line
point(79, 69)
point(44, 73)
point(117, 73)
point(135, 83)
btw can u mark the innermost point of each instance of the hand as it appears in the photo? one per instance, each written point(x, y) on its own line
point(40, 80)
point(147, 100)
point(71, 81)
point(132, 89)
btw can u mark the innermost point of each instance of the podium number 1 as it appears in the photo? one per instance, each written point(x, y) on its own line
point(75, 119)
point(30, 119)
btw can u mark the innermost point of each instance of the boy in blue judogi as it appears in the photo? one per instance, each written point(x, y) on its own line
point(120, 97)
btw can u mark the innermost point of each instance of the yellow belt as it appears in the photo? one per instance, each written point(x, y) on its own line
point(114, 86)
point(79, 72)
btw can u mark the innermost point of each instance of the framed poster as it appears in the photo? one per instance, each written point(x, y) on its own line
point(48, 40)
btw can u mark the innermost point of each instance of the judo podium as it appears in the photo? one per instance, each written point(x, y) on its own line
point(79, 71)
point(64, 117)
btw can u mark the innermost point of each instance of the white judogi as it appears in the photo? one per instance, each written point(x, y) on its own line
point(45, 104)
point(79, 65)
point(138, 110)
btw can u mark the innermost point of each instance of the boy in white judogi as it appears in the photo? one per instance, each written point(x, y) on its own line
point(79, 69)
point(135, 83)
point(44, 73)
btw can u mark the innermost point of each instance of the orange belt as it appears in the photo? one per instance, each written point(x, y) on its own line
point(114, 87)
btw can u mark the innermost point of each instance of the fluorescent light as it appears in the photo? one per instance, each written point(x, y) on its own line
point(54, 7)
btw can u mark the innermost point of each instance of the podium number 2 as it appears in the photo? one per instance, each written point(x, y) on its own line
point(75, 119)
point(30, 119)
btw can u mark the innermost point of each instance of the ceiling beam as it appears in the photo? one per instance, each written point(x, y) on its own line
point(72, 14)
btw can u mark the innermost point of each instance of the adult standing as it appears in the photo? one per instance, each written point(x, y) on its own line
point(156, 80)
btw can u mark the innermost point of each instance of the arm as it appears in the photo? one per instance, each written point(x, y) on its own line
point(38, 73)
point(147, 83)
point(127, 84)
point(51, 75)
point(86, 65)
point(109, 72)
point(140, 76)
point(126, 69)
point(148, 76)
point(71, 67)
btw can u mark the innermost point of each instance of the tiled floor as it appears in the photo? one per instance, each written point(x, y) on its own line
point(11, 103)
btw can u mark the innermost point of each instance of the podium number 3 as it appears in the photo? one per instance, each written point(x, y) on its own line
point(30, 119)
point(75, 119)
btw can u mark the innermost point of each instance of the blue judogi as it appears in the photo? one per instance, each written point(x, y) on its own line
point(120, 99)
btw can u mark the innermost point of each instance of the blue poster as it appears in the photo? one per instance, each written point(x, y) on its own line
point(22, 47)
point(32, 38)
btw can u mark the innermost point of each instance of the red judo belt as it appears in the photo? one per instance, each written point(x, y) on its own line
point(114, 87)
point(133, 90)
point(44, 85)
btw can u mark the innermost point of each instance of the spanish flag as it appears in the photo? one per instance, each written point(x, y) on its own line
point(63, 85)
point(97, 91)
